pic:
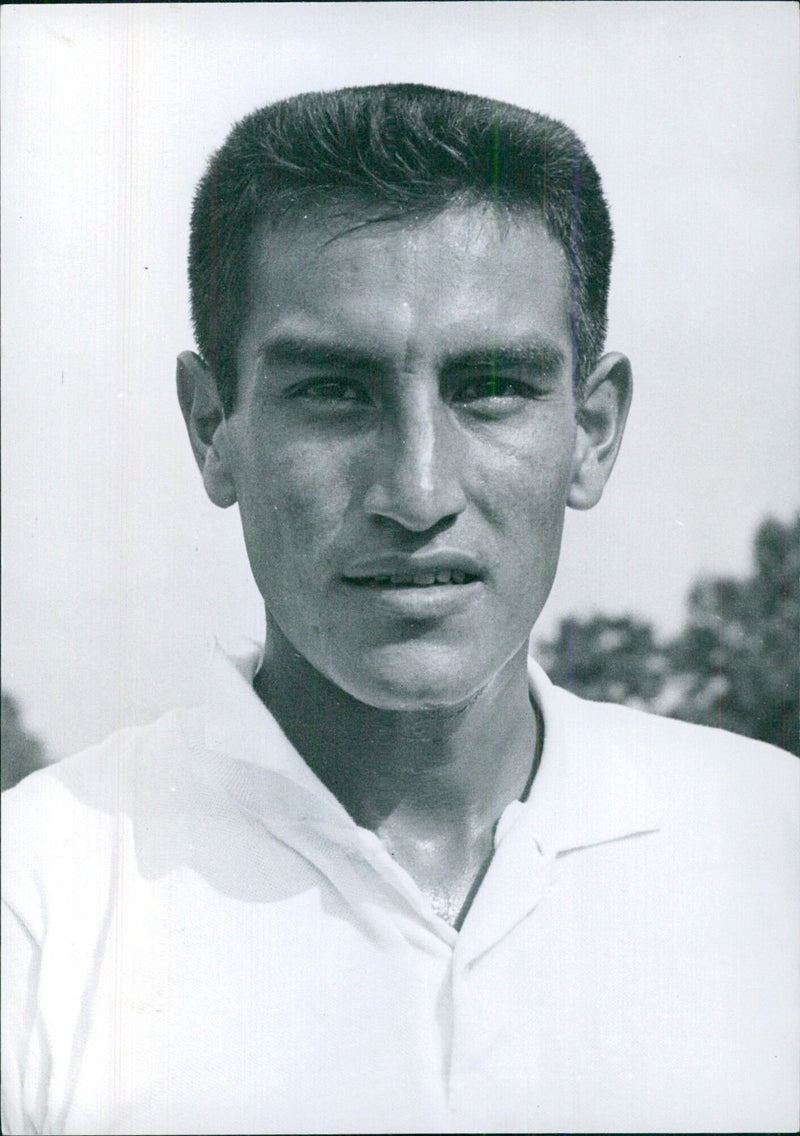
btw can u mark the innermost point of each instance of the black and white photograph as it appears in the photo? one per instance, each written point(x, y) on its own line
point(401, 567)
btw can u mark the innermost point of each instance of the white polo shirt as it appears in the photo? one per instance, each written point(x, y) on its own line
point(199, 939)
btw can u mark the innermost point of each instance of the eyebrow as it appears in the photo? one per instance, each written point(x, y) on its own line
point(290, 349)
point(540, 354)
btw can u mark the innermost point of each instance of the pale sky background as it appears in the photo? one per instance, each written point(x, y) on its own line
point(117, 571)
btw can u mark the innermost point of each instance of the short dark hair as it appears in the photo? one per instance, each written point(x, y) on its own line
point(411, 151)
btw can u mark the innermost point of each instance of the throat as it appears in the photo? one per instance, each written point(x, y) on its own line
point(430, 783)
point(448, 871)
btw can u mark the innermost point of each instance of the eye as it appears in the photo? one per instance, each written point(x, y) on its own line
point(329, 391)
point(491, 386)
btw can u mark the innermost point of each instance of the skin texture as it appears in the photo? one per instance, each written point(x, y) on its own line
point(406, 391)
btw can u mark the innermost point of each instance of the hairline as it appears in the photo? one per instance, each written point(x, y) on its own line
point(381, 146)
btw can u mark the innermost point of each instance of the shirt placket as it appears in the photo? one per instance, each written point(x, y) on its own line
point(517, 881)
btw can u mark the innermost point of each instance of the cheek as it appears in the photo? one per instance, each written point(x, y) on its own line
point(292, 505)
point(524, 484)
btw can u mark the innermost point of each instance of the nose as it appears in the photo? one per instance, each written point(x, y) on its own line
point(417, 482)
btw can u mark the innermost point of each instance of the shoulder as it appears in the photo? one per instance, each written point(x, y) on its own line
point(70, 816)
point(94, 777)
point(653, 739)
point(692, 769)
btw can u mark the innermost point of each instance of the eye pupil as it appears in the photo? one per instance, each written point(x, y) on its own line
point(490, 386)
point(331, 390)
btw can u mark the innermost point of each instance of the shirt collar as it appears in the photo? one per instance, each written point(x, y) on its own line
point(238, 724)
point(586, 791)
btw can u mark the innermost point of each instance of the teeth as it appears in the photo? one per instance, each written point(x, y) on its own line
point(418, 579)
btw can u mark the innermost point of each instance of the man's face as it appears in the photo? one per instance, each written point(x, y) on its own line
point(402, 446)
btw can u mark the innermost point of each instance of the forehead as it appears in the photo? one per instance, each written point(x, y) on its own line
point(466, 275)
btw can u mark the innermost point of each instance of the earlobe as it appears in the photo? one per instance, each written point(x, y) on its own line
point(206, 426)
point(217, 480)
point(601, 417)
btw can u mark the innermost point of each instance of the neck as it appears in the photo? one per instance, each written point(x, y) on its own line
point(449, 770)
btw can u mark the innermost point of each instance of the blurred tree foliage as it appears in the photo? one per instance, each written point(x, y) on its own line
point(20, 752)
point(606, 659)
point(735, 664)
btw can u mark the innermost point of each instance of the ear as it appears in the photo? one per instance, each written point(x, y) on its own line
point(205, 423)
point(601, 417)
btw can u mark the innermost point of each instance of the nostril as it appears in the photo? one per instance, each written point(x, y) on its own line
point(426, 532)
point(417, 505)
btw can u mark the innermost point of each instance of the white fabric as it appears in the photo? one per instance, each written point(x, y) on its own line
point(200, 939)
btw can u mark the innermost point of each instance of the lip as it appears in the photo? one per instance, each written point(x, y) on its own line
point(387, 581)
point(415, 571)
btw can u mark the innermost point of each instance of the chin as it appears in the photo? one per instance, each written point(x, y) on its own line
point(415, 682)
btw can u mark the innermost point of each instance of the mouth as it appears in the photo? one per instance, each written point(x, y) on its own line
point(430, 578)
point(432, 569)
point(423, 587)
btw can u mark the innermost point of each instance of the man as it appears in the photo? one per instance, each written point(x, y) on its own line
point(387, 878)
